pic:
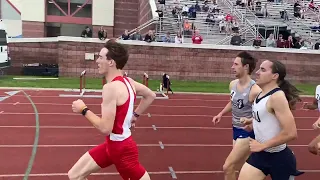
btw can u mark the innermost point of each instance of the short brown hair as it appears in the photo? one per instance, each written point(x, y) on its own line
point(118, 52)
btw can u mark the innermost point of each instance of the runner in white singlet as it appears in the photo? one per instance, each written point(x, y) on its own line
point(274, 126)
point(314, 145)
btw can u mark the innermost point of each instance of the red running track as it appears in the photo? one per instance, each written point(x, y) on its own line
point(193, 147)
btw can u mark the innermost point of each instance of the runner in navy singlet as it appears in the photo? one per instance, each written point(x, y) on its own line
point(273, 125)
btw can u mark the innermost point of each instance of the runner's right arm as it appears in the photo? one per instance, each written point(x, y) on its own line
point(228, 107)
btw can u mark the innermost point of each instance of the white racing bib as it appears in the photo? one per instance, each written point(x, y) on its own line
point(317, 96)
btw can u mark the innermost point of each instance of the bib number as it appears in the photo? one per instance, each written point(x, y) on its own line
point(232, 94)
point(318, 93)
point(256, 116)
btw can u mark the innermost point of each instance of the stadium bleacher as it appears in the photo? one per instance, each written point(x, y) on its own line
point(247, 18)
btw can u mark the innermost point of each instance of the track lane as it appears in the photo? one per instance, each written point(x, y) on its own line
point(90, 136)
point(140, 133)
point(144, 121)
point(14, 160)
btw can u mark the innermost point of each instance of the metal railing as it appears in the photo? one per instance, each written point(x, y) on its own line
point(256, 21)
point(242, 32)
point(143, 26)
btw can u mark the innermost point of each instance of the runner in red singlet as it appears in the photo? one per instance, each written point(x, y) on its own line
point(118, 116)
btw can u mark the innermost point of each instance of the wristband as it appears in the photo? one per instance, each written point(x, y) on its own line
point(136, 115)
point(84, 111)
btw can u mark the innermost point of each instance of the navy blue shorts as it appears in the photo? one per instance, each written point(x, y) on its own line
point(280, 165)
point(241, 133)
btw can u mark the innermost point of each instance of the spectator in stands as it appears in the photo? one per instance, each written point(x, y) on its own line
point(222, 25)
point(302, 12)
point(270, 41)
point(264, 10)
point(228, 24)
point(307, 44)
point(125, 35)
point(197, 38)
point(235, 25)
point(281, 43)
point(162, 3)
point(178, 39)
point(312, 6)
point(187, 27)
point(86, 33)
point(102, 33)
point(174, 12)
point(299, 43)
point(289, 42)
point(258, 6)
point(229, 17)
point(239, 3)
point(257, 42)
point(316, 45)
point(185, 10)
point(137, 36)
point(167, 38)
point(197, 6)
point(236, 39)
point(210, 19)
point(205, 7)
point(215, 8)
point(220, 17)
point(296, 9)
point(284, 15)
point(192, 12)
point(149, 37)
point(160, 14)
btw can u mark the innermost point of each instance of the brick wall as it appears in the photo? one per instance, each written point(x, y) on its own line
point(145, 14)
point(33, 29)
point(125, 16)
point(184, 62)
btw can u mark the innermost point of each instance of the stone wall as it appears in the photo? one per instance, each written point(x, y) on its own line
point(181, 61)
